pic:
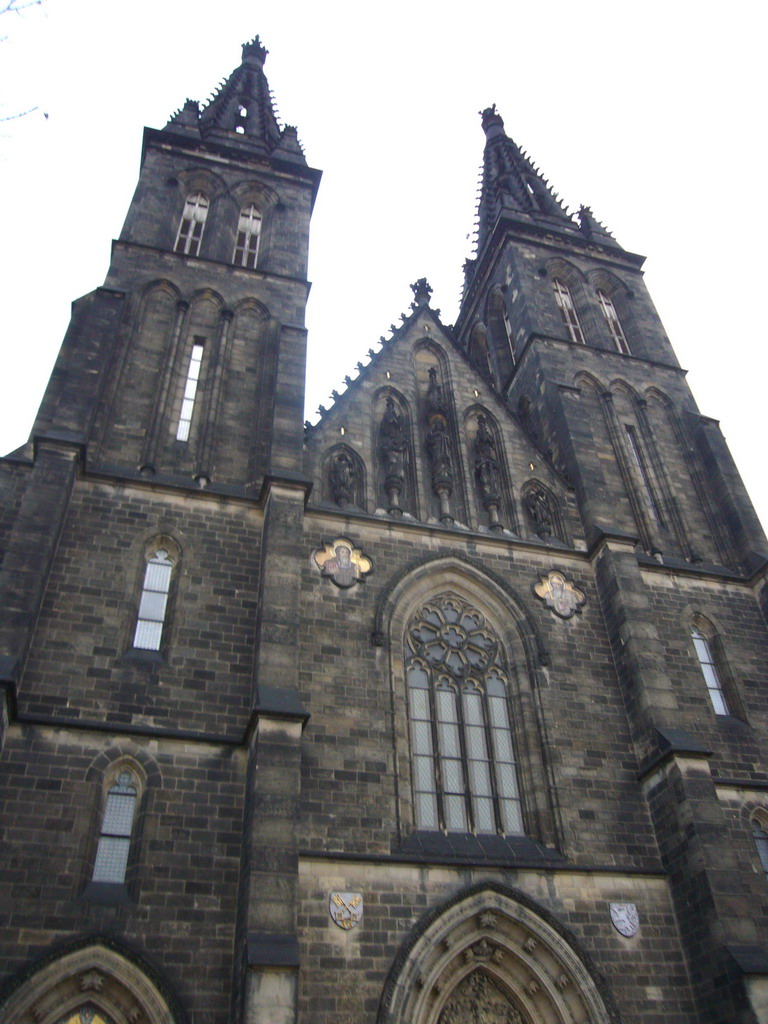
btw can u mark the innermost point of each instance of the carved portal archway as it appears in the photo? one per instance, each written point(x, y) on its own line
point(90, 985)
point(492, 957)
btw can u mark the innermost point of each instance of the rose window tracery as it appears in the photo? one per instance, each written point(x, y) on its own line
point(463, 763)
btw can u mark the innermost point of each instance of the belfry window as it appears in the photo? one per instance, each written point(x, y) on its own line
point(613, 322)
point(190, 391)
point(462, 755)
point(154, 601)
point(116, 827)
point(709, 669)
point(248, 233)
point(568, 311)
point(192, 224)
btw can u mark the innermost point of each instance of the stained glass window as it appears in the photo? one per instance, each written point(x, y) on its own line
point(87, 1014)
point(115, 835)
point(192, 223)
point(463, 762)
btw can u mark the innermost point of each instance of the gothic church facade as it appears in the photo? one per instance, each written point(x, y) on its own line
point(449, 707)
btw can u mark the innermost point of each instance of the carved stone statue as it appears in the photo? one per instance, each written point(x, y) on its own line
point(439, 448)
point(487, 472)
point(343, 479)
point(538, 505)
point(393, 448)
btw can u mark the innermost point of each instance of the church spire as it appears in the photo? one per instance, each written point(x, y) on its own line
point(243, 106)
point(511, 181)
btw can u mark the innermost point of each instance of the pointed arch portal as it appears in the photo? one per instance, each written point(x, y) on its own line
point(91, 985)
point(491, 957)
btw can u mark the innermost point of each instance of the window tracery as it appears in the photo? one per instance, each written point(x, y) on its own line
point(248, 234)
point(192, 223)
point(463, 761)
point(568, 312)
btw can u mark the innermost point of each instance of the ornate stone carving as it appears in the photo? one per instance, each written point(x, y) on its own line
point(487, 919)
point(91, 980)
point(342, 562)
point(476, 1000)
point(625, 918)
point(393, 448)
point(559, 594)
point(487, 475)
point(538, 505)
point(562, 982)
point(530, 944)
point(482, 950)
point(344, 481)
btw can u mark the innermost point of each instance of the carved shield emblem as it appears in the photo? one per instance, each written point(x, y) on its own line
point(625, 918)
point(346, 909)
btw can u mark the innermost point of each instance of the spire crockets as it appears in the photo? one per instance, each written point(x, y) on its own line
point(510, 181)
point(242, 111)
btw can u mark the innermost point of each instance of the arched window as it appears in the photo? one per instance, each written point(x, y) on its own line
point(760, 835)
point(192, 224)
point(248, 232)
point(568, 311)
point(704, 647)
point(154, 601)
point(190, 390)
point(614, 324)
point(114, 843)
point(462, 755)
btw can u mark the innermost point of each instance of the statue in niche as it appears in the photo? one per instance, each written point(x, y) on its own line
point(343, 479)
point(486, 463)
point(435, 400)
point(441, 457)
point(487, 472)
point(477, 1000)
point(538, 505)
point(393, 447)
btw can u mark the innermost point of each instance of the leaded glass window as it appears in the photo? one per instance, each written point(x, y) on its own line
point(760, 835)
point(463, 761)
point(248, 231)
point(192, 223)
point(612, 320)
point(87, 1014)
point(115, 835)
point(568, 311)
point(154, 600)
point(190, 391)
point(709, 670)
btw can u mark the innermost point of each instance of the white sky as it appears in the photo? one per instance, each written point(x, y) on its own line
point(653, 113)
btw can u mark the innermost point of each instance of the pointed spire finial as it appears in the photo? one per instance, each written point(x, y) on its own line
point(255, 48)
point(492, 121)
point(421, 293)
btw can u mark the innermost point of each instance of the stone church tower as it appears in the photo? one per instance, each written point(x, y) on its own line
point(449, 708)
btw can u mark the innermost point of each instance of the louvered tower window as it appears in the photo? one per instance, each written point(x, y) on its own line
point(568, 311)
point(708, 664)
point(192, 223)
point(463, 761)
point(248, 233)
point(190, 391)
point(614, 324)
point(116, 827)
point(154, 601)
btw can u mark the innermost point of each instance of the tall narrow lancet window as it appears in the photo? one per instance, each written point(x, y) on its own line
point(463, 762)
point(760, 836)
point(154, 601)
point(116, 827)
point(192, 224)
point(248, 232)
point(703, 646)
point(641, 466)
point(613, 322)
point(567, 309)
point(190, 391)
